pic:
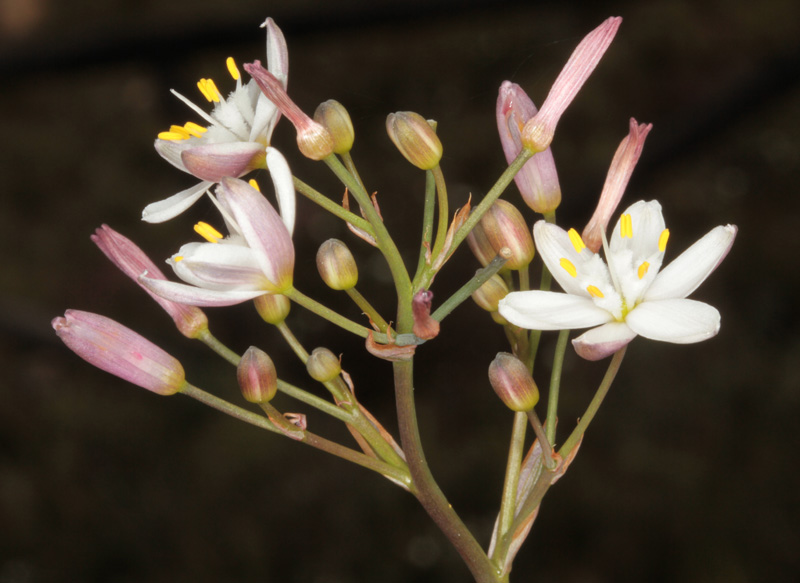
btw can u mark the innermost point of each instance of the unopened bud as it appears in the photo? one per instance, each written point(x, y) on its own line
point(425, 327)
point(513, 383)
point(334, 117)
point(257, 377)
point(415, 138)
point(273, 308)
point(323, 365)
point(112, 347)
point(502, 226)
point(490, 293)
point(336, 265)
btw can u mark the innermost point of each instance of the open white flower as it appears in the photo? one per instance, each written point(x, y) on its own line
point(239, 129)
point(627, 297)
point(257, 257)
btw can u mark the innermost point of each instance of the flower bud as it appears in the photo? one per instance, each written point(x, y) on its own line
point(513, 383)
point(112, 347)
point(323, 365)
point(415, 138)
point(502, 226)
point(490, 293)
point(336, 265)
point(257, 377)
point(273, 308)
point(425, 327)
point(334, 117)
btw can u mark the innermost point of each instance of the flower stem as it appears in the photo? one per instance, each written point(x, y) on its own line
point(441, 194)
point(508, 504)
point(555, 385)
point(332, 207)
point(544, 442)
point(367, 308)
point(211, 341)
point(427, 225)
point(594, 405)
point(333, 317)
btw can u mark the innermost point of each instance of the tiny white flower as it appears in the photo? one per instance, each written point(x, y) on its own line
point(239, 129)
point(631, 295)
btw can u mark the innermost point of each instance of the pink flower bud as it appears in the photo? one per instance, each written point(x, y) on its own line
point(513, 383)
point(132, 261)
point(112, 347)
point(502, 226)
point(619, 174)
point(538, 132)
point(537, 180)
point(257, 377)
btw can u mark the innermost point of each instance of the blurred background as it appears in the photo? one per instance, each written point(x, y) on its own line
point(689, 473)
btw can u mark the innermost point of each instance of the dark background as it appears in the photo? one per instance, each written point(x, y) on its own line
point(689, 473)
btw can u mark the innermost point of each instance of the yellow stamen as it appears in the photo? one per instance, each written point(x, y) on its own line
point(643, 269)
point(232, 68)
point(594, 291)
point(625, 227)
point(209, 90)
point(576, 240)
point(252, 182)
point(208, 232)
point(194, 129)
point(177, 258)
point(179, 130)
point(567, 265)
point(662, 240)
point(171, 136)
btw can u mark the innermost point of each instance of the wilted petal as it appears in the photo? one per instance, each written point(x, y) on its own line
point(213, 161)
point(693, 266)
point(603, 341)
point(195, 296)
point(164, 210)
point(541, 310)
point(679, 321)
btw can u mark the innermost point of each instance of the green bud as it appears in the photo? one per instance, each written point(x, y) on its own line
point(334, 117)
point(273, 308)
point(323, 365)
point(490, 293)
point(415, 138)
point(502, 226)
point(336, 265)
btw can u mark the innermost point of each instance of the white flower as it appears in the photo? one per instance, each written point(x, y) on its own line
point(257, 258)
point(629, 296)
point(239, 129)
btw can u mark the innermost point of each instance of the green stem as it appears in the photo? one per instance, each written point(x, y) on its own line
point(427, 226)
point(544, 443)
point(351, 168)
point(367, 308)
point(333, 317)
point(211, 341)
point(555, 385)
point(292, 341)
point(508, 505)
point(332, 207)
point(524, 279)
point(228, 408)
point(428, 492)
point(594, 405)
point(444, 214)
point(314, 401)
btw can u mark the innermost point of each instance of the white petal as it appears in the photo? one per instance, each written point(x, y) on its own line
point(284, 186)
point(678, 321)
point(603, 341)
point(219, 266)
point(693, 266)
point(553, 244)
point(164, 210)
point(195, 296)
point(647, 225)
point(277, 52)
point(539, 310)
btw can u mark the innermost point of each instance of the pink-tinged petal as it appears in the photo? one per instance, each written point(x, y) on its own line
point(132, 261)
point(112, 347)
point(537, 181)
point(538, 132)
point(284, 187)
point(195, 296)
point(171, 151)
point(619, 174)
point(678, 321)
point(277, 52)
point(603, 341)
point(164, 210)
point(219, 266)
point(213, 161)
point(693, 266)
point(540, 310)
point(263, 229)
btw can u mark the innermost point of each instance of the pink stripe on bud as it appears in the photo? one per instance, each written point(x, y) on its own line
point(112, 347)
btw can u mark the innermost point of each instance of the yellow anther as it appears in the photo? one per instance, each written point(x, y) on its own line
point(662, 240)
point(625, 227)
point(252, 182)
point(179, 130)
point(194, 129)
point(209, 90)
point(567, 266)
point(208, 232)
point(643, 269)
point(576, 240)
point(594, 291)
point(232, 68)
point(177, 258)
point(171, 136)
